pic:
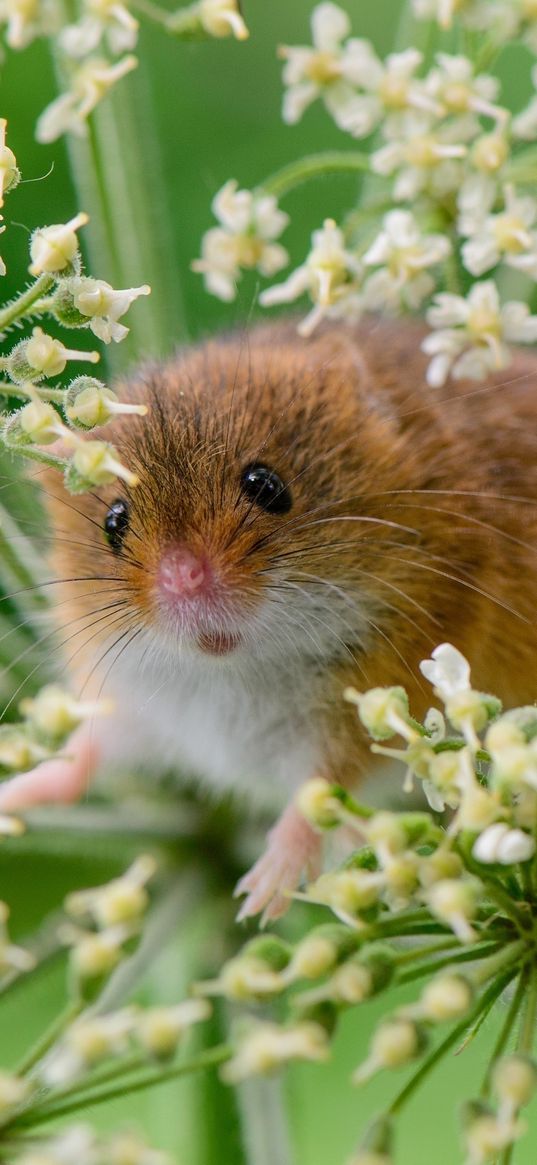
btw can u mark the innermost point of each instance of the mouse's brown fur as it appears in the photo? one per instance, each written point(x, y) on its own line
point(443, 484)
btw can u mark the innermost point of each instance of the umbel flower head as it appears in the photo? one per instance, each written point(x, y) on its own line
point(445, 902)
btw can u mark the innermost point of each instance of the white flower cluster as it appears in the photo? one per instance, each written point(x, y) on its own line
point(96, 44)
point(503, 20)
point(77, 301)
point(451, 152)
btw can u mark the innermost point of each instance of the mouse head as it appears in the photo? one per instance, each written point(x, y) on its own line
point(258, 513)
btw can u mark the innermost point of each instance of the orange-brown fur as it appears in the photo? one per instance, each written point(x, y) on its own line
point(348, 420)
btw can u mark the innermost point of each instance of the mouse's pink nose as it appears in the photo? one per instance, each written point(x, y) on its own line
point(182, 574)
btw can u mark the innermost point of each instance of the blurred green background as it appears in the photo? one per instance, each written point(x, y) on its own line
point(206, 112)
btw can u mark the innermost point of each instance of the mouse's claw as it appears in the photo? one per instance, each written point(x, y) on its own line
point(293, 847)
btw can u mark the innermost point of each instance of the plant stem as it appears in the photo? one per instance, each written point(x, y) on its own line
point(23, 304)
point(527, 1032)
point(483, 1003)
point(48, 1038)
point(465, 956)
point(315, 166)
point(505, 1032)
point(38, 1116)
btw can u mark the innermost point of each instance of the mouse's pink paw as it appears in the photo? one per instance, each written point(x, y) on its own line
point(293, 847)
point(62, 780)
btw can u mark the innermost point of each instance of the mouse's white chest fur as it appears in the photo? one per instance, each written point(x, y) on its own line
point(228, 726)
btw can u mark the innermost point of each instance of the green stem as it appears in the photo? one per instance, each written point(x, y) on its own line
point(40, 1115)
point(130, 235)
point(483, 1003)
point(527, 1031)
point(314, 166)
point(466, 956)
point(7, 388)
point(505, 1032)
point(48, 1038)
point(34, 454)
point(25, 302)
point(405, 957)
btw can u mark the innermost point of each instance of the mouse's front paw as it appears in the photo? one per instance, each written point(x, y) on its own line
point(293, 847)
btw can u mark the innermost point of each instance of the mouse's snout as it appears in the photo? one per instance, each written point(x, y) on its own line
point(184, 575)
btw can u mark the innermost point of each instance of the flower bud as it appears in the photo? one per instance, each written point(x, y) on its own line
point(41, 356)
point(9, 172)
point(36, 424)
point(222, 18)
point(17, 751)
point(160, 1029)
point(54, 713)
point(13, 1090)
point(455, 902)
point(489, 152)
point(515, 1080)
point(316, 801)
point(55, 248)
point(95, 463)
point(123, 900)
point(471, 708)
point(347, 892)
point(95, 956)
point(386, 833)
point(440, 865)
point(505, 846)
point(384, 712)
point(320, 951)
point(89, 403)
point(447, 997)
point(395, 1042)
point(363, 975)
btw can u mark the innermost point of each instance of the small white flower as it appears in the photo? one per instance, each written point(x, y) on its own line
point(222, 18)
point(54, 713)
point(447, 670)
point(103, 306)
point(41, 356)
point(473, 333)
point(54, 248)
point(89, 84)
point(331, 275)
point(395, 1042)
point(388, 90)
point(423, 158)
point(124, 899)
point(501, 844)
point(28, 19)
point(331, 70)
point(487, 1136)
point(453, 85)
point(102, 19)
point(250, 221)
point(455, 902)
point(85, 1044)
point(96, 463)
point(403, 255)
point(505, 235)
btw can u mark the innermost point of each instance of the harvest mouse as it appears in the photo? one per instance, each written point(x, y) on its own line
point(309, 515)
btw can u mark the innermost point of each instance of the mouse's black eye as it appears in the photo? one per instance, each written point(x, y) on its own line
point(263, 486)
point(116, 524)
